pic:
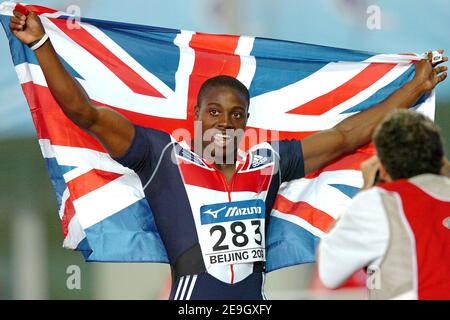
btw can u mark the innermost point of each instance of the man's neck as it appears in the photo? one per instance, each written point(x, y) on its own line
point(227, 169)
point(225, 166)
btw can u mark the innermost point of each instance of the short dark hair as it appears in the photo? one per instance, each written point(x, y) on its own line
point(224, 81)
point(408, 144)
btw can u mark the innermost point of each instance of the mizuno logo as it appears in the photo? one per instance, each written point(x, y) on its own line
point(232, 211)
point(213, 213)
point(236, 211)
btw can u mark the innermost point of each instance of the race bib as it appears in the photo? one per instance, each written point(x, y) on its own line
point(233, 232)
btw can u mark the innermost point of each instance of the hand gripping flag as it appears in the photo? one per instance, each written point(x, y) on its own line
point(152, 76)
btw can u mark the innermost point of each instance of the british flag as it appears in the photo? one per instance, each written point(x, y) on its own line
point(152, 76)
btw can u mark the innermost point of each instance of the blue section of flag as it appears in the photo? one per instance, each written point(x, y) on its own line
point(84, 248)
point(384, 92)
point(349, 191)
point(56, 178)
point(65, 169)
point(19, 52)
point(133, 227)
point(288, 244)
point(161, 58)
point(280, 63)
point(69, 68)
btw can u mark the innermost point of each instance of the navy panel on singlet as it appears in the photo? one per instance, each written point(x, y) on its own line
point(150, 157)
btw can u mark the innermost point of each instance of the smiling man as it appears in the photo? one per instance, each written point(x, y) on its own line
point(212, 206)
point(223, 118)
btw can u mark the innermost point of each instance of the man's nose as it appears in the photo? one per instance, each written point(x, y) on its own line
point(225, 121)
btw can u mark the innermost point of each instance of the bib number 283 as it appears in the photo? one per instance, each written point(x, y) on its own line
point(239, 238)
point(233, 232)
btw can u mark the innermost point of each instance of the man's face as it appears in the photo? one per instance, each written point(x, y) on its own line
point(223, 114)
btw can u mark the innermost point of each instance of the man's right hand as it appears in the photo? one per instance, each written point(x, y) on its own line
point(27, 28)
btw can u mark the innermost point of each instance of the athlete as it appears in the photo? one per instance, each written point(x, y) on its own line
point(212, 213)
point(399, 229)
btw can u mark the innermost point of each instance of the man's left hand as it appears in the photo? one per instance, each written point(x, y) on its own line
point(428, 75)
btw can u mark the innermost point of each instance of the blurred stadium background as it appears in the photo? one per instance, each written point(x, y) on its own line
point(33, 264)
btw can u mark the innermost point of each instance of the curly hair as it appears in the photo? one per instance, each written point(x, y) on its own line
point(224, 81)
point(409, 144)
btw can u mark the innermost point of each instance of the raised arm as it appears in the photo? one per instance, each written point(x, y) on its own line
point(112, 129)
point(323, 147)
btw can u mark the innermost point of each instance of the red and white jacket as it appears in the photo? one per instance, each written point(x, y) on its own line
point(400, 231)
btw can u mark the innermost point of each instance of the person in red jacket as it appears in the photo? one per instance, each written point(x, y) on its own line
point(399, 229)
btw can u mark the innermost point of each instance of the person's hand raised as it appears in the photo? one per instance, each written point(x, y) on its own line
point(27, 28)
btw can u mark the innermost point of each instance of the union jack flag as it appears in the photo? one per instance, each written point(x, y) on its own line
point(152, 76)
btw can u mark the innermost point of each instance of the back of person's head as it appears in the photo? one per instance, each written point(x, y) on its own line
point(409, 144)
point(224, 81)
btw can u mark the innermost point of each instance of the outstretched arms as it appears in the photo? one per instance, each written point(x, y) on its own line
point(112, 129)
point(323, 147)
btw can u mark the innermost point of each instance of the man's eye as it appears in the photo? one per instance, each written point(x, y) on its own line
point(237, 115)
point(214, 112)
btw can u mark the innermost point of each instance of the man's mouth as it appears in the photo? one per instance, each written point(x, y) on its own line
point(222, 139)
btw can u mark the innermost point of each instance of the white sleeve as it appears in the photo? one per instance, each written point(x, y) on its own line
point(358, 238)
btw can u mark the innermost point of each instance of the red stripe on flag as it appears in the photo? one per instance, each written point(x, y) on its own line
point(89, 182)
point(69, 212)
point(167, 125)
point(214, 55)
point(215, 43)
point(81, 186)
point(349, 162)
point(254, 136)
point(305, 211)
point(130, 77)
point(39, 9)
point(358, 83)
point(51, 123)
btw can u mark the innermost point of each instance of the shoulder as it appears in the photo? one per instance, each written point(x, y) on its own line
point(286, 149)
point(150, 133)
point(146, 145)
point(261, 155)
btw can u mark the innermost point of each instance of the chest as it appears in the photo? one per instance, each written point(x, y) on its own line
point(229, 212)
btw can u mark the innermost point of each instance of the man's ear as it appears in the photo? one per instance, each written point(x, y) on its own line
point(197, 112)
point(384, 175)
